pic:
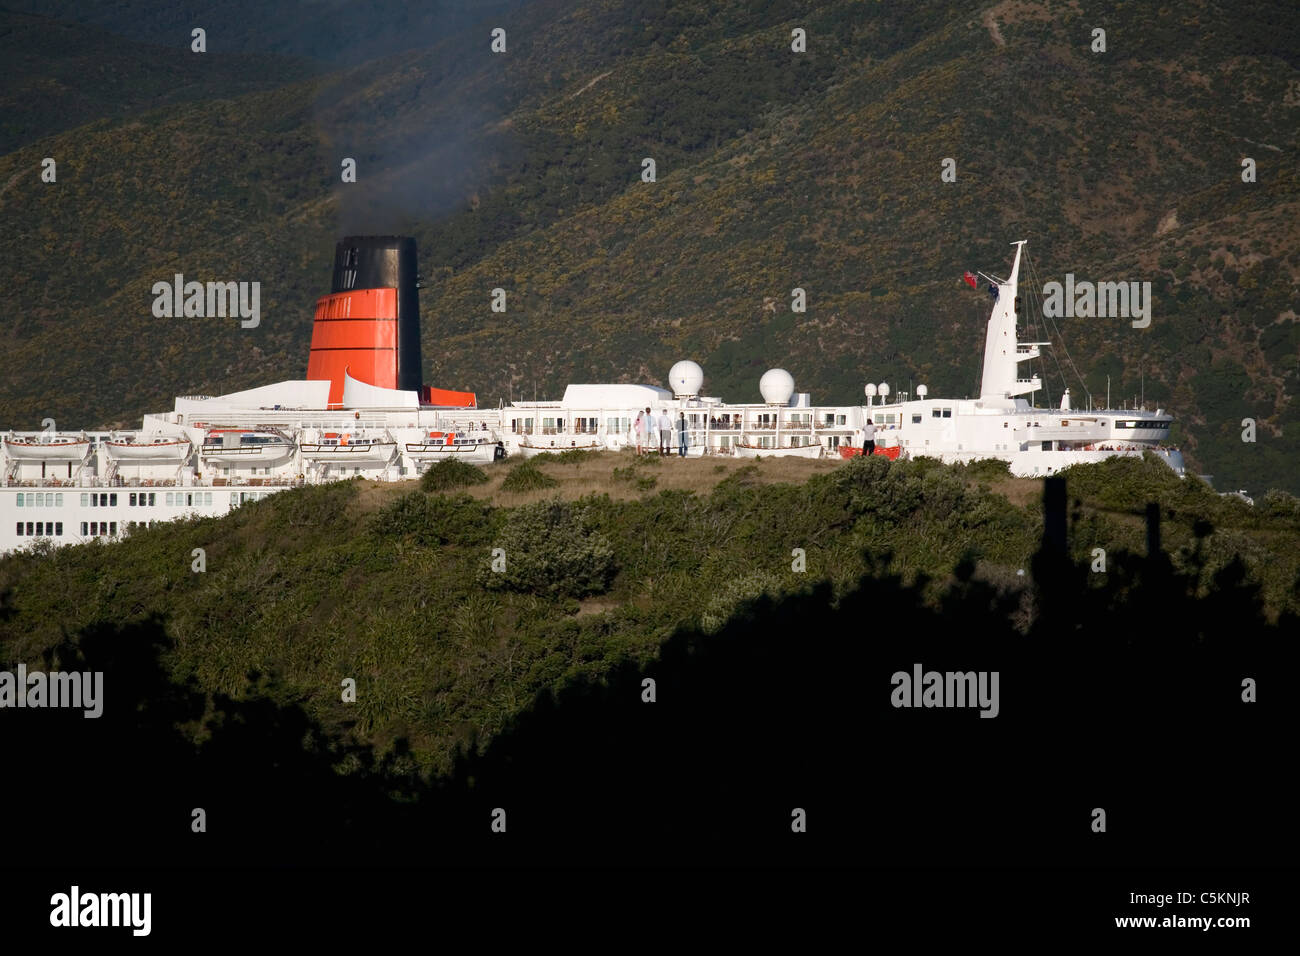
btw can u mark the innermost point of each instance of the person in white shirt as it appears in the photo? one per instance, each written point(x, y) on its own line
point(868, 439)
point(665, 432)
point(639, 429)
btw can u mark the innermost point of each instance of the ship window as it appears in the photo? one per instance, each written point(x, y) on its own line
point(947, 413)
point(169, 498)
point(58, 528)
point(234, 498)
point(916, 419)
point(29, 527)
point(131, 500)
point(153, 497)
point(934, 413)
point(112, 499)
point(840, 419)
point(40, 527)
point(20, 527)
point(58, 500)
point(1047, 446)
point(189, 499)
point(83, 529)
point(20, 499)
point(207, 497)
point(112, 527)
point(83, 500)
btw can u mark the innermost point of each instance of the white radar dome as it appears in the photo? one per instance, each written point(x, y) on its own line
point(870, 390)
point(686, 379)
point(776, 386)
point(922, 391)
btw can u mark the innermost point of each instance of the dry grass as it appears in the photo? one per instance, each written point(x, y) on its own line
point(1021, 492)
point(595, 475)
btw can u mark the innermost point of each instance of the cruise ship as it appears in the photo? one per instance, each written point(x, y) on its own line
point(363, 411)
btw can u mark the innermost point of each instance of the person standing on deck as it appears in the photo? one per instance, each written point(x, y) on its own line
point(682, 435)
point(665, 432)
point(639, 429)
point(651, 430)
point(868, 439)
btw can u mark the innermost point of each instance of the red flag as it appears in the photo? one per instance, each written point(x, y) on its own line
point(970, 280)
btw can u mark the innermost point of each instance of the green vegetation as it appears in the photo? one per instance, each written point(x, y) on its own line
point(526, 476)
point(551, 548)
point(449, 474)
point(394, 587)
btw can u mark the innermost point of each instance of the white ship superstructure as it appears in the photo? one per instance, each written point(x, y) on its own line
point(214, 453)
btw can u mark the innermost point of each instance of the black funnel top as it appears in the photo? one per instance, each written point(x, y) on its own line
point(386, 262)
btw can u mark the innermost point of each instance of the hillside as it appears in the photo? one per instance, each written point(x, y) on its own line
point(775, 170)
point(392, 585)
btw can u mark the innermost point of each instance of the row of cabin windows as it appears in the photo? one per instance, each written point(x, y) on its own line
point(42, 528)
point(98, 527)
point(240, 497)
point(187, 499)
point(40, 499)
point(617, 426)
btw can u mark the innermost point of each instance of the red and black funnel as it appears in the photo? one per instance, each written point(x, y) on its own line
point(369, 324)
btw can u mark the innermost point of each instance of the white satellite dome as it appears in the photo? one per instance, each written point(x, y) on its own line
point(776, 386)
point(686, 379)
point(870, 390)
point(922, 391)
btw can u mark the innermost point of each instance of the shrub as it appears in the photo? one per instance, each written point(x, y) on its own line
point(526, 476)
point(551, 547)
point(573, 456)
point(450, 474)
point(436, 519)
point(632, 477)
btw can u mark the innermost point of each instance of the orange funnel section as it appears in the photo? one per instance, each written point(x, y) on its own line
point(447, 397)
point(356, 331)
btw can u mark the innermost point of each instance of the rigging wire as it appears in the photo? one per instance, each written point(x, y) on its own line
point(1034, 273)
point(1031, 323)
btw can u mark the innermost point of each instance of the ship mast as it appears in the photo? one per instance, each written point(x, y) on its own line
point(1002, 351)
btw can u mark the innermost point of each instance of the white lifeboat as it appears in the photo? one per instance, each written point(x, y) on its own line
point(48, 448)
point(245, 445)
point(161, 449)
point(342, 447)
point(479, 449)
